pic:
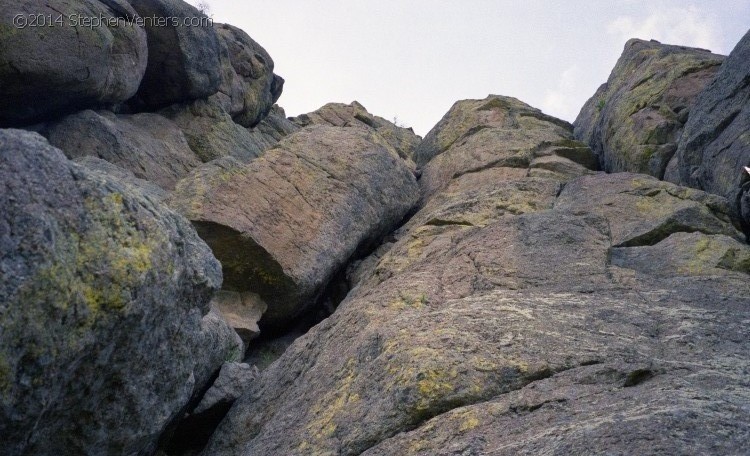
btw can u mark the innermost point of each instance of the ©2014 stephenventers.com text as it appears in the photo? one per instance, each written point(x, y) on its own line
point(22, 21)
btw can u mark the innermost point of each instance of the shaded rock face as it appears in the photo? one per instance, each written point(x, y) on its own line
point(530, 324)
point(211, 132)
point(103, 293)
point(340, 115)
point(150, 146)
point(81, 66)
point(715, 145)
point(272, 129)
point(634, 121)
point(249, 88)
point(109, 171)
point(183, 57)
point(283, 224)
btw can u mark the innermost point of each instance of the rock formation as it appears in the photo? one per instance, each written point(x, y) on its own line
point(184, 270)
point(103, 292)
point(634, 121)
point(283, 224)
point(715, 146)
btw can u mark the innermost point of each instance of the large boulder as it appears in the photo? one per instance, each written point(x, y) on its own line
point(497, 132)
point(339, 115)
point(183, 54)
point(249, 88)
point(103, 292)
point(504, 319)
point(211, 132)
point(285, 223)
point(715, 145)
point(466, 118)
point(50, 69)
point(152, 147)
point(634, 120)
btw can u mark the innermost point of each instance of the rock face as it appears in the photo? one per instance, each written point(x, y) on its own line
point(211, 132)
point(497, 132)
point(520, 322)
point(340, 115)
point(283, 224)
point(183, 54)
point(272, 129)
point(103, 292)
point(81, 66)
point(635, 119)
point(715, 145)
point(248, 88)
point(152, 147)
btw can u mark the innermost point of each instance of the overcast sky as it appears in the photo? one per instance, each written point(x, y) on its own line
point(412, 59)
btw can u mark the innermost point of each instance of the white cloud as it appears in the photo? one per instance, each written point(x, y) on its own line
point(687, 26)
point(565, 100)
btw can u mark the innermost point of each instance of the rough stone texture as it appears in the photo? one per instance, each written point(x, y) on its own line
point(468, 118)
point(498, 131)
point(109, 171)
point(211, 132)
point(285, 223)
point(102, 298)
point(150, 146)
point(234, 378)
point(644, 210)
point(339, 115)
point(716, 142)
point(272, 129)
point(183, 60)
point(242, 311)
point(634, 120)
point(248, 87)
point(524, 325)
point(47, 71)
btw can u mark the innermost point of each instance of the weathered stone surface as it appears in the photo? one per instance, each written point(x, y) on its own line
point(47, 71)
point(242, 311)
point(498, 131)
point(634, 120)
point(503, 319)
point(248, 87)
point(102, 302)
point(715, 145)
point(340, 115)
point(183, 54)
point(467, 119)
point(643, 210)
point(283, 224)
point(211, 132)
point(150, 146)
point(272, 129)
point(233, 379)
point(506, 321)
point(110, 171)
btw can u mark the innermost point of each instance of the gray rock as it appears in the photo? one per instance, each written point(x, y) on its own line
point(211, 132)
point(249, 88)
point(103, 294)
point(633, 122)
point(48, 71)
point(150, 146)
point(503, 319)
point(233, 380)
point(715, 145)
point(285, 223)
point(109, 171)
point(183, 59)
point(340, 115)
point(272, 129)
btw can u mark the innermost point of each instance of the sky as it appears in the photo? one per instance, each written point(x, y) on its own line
point(412, 59)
